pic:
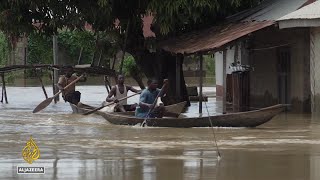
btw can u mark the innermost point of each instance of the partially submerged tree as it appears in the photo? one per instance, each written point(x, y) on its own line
point(171, 18)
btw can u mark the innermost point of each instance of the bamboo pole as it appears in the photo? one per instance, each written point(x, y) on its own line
point(53, 84)
point(55, 74)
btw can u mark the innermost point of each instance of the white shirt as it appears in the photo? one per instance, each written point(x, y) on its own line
point(119, 95)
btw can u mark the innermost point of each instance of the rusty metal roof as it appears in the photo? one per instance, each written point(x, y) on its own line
point(211, 39)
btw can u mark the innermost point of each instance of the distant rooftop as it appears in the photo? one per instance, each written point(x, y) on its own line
point(274, 9)
point(307, 16)
point(311, 11)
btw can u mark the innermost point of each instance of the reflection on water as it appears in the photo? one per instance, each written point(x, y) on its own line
point(87, 147)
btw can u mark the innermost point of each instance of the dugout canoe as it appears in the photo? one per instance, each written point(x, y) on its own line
point(241, 119)
point(173, 110)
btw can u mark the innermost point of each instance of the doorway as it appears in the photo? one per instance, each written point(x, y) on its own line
point(284, 68)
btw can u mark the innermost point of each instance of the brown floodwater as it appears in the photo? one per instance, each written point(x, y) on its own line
point(74, 146)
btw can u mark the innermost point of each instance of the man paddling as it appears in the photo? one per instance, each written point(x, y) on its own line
point(120, 91)
point(148, 97)
point(69, 94)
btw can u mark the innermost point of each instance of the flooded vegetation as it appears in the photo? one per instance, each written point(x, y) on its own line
point(73, 146)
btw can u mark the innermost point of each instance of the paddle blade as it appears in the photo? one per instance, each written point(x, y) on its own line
point(42, 105)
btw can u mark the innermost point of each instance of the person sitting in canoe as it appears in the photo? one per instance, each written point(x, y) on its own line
point(147, 98)
point(121, 91)
point(69, 94)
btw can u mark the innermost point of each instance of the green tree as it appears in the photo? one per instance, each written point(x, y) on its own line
point(39, 49)
point(171, 18)
point(73, 41)
point(133, 70)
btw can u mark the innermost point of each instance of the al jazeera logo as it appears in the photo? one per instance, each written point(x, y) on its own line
point(30, 153)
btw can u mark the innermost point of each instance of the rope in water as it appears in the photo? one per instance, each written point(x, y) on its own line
point(214, 135)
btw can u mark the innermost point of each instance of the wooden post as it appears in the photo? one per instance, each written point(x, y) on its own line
point(93, 57)
point(114, 61)
point(55, 74)
point(42, 86)
point(201, 82)
point(99, 60)
point(224, 84)
point(25, 54)
point(107, 83)
point(4, 91)
point(80, 55)
point(178, 69)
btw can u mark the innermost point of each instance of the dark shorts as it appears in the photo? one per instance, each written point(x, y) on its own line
point(73, 98)
point(128, 107)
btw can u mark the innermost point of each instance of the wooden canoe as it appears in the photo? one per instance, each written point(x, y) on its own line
point(242, 119)
point(173, 110)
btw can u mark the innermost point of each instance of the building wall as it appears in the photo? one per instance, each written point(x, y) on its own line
point(265, 46)
point(261, 50)
point(231, 57)
point(314, 69)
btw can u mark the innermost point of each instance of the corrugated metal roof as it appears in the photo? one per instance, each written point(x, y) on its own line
point(311, 11)
point(274, 9)
point(241, 24)
point(213, 38)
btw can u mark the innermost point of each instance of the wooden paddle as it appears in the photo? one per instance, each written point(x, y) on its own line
point(154, 104)
point(47, 101)
point(96, 109)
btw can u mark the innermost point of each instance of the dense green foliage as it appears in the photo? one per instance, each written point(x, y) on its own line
point(72, 42)
point(209, 63)
point(39, 49)
point(20, 16)
point(171, 17)
point(130, 67)
point(111, 19)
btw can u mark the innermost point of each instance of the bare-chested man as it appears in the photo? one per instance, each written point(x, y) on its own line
point(120, 91)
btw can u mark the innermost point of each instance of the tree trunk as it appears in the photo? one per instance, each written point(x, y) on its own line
point(138, 79)
point(162, 65)
point(11, 55)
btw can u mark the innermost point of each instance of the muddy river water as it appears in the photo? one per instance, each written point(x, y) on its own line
point(74, 146)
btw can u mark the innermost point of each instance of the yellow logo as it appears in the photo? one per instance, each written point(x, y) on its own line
point(31, 151)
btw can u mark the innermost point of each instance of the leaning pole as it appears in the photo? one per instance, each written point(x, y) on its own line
point(55, 76)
